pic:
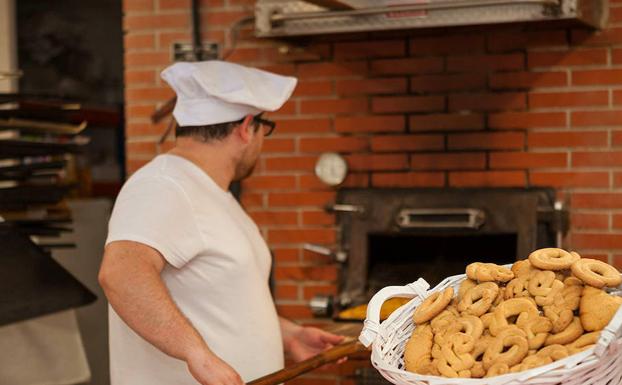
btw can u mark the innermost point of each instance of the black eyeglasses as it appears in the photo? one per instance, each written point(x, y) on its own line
point(266, 123)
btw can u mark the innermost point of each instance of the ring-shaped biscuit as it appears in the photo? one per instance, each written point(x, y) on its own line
point(596, 273)
point(498, 352)
point(510, 308)
point(433, 306)
point(553, 259)
point(566, 336)
point(479, 299)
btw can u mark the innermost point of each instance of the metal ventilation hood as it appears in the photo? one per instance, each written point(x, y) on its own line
point(275, 18)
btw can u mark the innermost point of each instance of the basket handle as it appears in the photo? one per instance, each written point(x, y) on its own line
point(372, 322)
point(609, 333)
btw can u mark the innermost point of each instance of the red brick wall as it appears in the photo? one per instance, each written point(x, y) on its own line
point(463, 107)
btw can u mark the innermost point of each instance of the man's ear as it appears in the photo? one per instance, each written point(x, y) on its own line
point(246, 129)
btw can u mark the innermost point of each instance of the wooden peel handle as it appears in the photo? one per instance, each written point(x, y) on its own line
point(330, 355)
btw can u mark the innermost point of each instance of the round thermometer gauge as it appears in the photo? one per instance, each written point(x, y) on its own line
point(331, 168)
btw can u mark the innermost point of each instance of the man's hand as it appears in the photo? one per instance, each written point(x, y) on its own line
point(208, 369)
point(306, 342)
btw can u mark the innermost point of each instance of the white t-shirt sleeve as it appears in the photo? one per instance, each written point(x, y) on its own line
point(156, 212)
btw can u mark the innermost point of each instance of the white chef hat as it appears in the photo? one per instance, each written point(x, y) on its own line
point(212, 92)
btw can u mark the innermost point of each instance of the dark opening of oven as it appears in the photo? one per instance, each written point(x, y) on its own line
point(398, 259)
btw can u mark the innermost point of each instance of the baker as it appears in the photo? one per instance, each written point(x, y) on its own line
point(185, 269)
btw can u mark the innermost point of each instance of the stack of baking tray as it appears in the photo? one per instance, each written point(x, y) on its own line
point(39, 142)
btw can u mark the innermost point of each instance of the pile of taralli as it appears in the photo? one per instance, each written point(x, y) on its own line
point(502, 320)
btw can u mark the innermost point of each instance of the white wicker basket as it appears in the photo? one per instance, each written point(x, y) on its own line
point(601, 365)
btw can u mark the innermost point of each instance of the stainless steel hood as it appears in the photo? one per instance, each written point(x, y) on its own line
point(275, 18)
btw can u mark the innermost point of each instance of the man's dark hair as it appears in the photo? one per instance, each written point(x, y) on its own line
point(207, 133)
point(210, 132)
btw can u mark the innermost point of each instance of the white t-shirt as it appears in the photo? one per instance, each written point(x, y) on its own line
point(217, 273)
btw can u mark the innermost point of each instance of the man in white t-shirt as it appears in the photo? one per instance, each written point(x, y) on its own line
point(185, 269)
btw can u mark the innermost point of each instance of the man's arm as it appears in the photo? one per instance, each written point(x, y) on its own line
point(130, 277)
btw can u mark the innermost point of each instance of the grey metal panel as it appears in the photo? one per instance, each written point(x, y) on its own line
point(292, 18)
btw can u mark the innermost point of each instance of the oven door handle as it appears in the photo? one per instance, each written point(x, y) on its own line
point(443, 218)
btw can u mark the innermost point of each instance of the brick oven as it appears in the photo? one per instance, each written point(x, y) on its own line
point(533, 107)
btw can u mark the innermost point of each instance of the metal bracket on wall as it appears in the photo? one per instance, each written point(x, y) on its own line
point(187, 52)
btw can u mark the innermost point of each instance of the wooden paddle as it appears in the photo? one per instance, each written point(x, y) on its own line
point(330, 355)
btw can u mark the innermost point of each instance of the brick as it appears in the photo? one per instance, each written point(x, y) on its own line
point(423, 46)
point(408, 179)
point(615, 15)
point(596, 241)
point(224, 18)
point(269, 182)
point(297, 126)
point(390, 104)
point(596, 200)
point(140, 77)
point(174, 4)
point(597, 77)
point(370, 49)
point(130, 6)
point(312, 290)
point(294, 311)
point(616, 138)
point(333, 106)
point(617, 179)
point(617, 97)
point(245, 55)
point(300, 199)
point(337, 144)
point(597, 159)
point(273, 145)
point(515, 40)
point(617, 262)
point(149, 94)
point(377, 162)
point(311, 182)
point(449, 161)
point(582, 57)
point(487, 101)
point(589, 37)
point(297, 53)
point(317, 218)
point(285, 69)
point(527, 160)
point(387, 143)
point(322, 236)
point(381, 123)
point(616, 56)
point(284, 254)
point(252, 200)
point(596, 118)
point(372, 86)
point(407, 66)
point(569, 179)
point(151, 59)
point(140, 110)
point(159, 22)
point(616, 221)
point(313, 88)
point(447, 82)
point(568, 99)
point(165, 39)
point(146, 148)
point(488, 140)
point(487, 179)
point(132, 165)
point(572, 139)
point(513, 120)
point(320, 70)
point(446, 122)
point(139, 129)
point(288, 108)
point(582, 221)
point(527, 80)
point(290, 163)
point(311, 273)
point(475, 63)
point(286, 291)
point(133, 42)
point(272, 218)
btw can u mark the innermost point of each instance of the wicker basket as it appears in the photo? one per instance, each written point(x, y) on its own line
point(601, 365)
